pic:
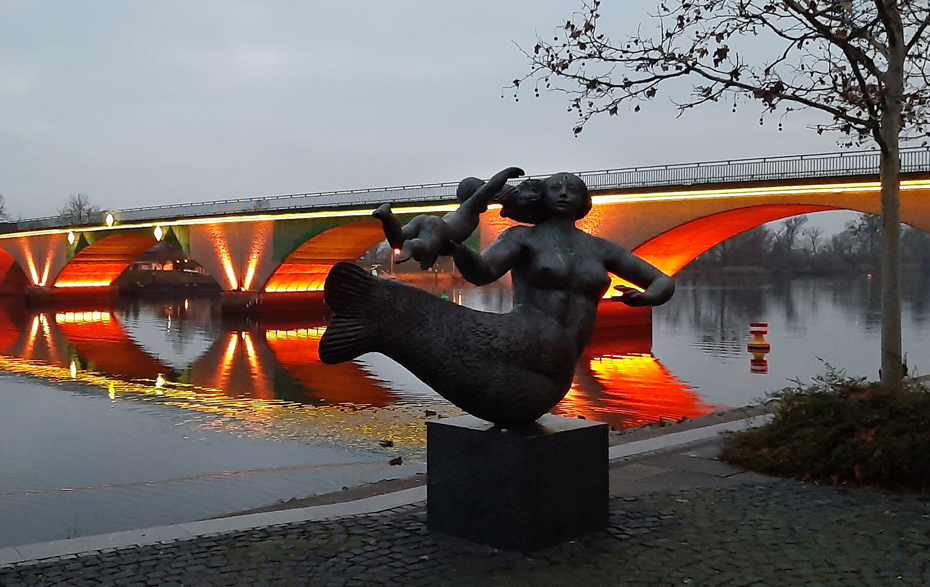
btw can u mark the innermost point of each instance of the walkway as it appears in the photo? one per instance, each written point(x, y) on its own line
point(678, 517)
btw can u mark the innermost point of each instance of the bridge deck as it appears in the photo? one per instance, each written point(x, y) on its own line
point(796, 167)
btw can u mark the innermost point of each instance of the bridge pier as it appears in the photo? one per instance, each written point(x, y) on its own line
point(309, 303)
point(71, 296)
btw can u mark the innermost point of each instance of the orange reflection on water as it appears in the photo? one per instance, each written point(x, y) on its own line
point(346, 383)
point(234, 365)
point(101, 342)
point(630, 390)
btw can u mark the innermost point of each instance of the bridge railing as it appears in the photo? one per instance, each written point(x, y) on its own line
point(825, 165)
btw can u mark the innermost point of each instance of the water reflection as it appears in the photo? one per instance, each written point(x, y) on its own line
point(701, 336)
point(262, 377)
point(267, 374)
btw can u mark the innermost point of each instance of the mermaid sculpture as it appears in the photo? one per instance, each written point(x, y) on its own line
point(511, 368)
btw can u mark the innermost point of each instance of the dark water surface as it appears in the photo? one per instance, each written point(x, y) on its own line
point(155, 412)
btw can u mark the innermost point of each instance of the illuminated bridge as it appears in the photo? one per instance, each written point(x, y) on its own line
point(259, 249)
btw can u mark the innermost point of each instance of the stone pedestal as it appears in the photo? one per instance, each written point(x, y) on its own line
point(519, 489)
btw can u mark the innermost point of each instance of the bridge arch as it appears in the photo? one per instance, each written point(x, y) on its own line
point(306, 267)
point(673, 249)
point(99, 263)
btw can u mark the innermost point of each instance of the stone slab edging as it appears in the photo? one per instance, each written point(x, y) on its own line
point(674, 439)
point(73, 547)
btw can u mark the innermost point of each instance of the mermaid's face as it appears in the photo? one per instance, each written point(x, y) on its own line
point(564, 195)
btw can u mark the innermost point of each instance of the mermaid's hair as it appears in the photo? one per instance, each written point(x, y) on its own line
point(524, 202)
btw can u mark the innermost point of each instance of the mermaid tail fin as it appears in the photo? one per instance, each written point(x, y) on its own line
point(349, 293)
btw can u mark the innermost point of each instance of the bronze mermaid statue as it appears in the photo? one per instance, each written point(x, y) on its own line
point(511, 368)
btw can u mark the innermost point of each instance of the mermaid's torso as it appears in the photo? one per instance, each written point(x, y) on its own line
point(565, 281)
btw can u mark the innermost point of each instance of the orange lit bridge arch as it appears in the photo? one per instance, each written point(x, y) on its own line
point(284, 245)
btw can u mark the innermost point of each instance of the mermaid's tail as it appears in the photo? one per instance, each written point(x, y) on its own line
point(351, 332)
point(506, 368)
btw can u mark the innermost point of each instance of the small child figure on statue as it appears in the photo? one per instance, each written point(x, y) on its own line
point(426, 237)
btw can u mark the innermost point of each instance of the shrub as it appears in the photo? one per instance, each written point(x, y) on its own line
point(843, 430)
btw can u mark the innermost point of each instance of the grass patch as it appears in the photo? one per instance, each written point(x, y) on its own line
point(843, 430)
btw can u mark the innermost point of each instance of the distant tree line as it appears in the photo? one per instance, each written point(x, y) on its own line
point(793, 246)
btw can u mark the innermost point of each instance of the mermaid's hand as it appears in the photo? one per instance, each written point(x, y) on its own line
point(630, 296)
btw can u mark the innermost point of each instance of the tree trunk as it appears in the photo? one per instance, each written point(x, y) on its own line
point(892, 372)
point(891, 369)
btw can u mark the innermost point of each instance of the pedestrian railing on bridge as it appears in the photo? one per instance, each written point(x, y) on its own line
point(795, 167)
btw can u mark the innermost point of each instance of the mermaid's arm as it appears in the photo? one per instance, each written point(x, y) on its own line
point(463, 221)
point(657, 286)
point(478, 201)
point(494, 262)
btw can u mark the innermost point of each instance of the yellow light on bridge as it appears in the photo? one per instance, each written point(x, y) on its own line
point(787, 189)
point(110, 220)
point(71, 237)
point(159, 233)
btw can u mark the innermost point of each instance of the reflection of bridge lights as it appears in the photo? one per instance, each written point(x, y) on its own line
point(160, 381)
point(73, 369)
point(228, 354)
point(293, 287)
point(81, 317)
point(250, 415)
point(255, 366)
point(89, 283)
point(641, 390)
point(299, 333)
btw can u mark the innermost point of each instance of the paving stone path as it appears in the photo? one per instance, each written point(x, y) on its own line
point(775, 533)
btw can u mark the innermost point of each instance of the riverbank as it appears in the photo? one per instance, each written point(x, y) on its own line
point(678, 516)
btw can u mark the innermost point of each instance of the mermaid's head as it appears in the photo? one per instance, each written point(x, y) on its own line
point(527, 202)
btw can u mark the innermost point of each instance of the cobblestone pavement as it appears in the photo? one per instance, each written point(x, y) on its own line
point(774, 533)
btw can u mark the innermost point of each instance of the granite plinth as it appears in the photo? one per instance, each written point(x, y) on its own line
point(517, 489)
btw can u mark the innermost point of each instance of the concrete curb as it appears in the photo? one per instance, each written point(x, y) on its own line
point(675, 439)
point(74, 547)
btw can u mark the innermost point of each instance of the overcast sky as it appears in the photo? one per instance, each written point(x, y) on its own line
point(146, 103)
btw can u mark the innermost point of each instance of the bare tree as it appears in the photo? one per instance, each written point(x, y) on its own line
point(864, 64)
point(78, 209)
point(814, 235)
point(3, 214)
point(789, 233)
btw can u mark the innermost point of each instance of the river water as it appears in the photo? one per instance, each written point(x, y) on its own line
point(154, 412)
